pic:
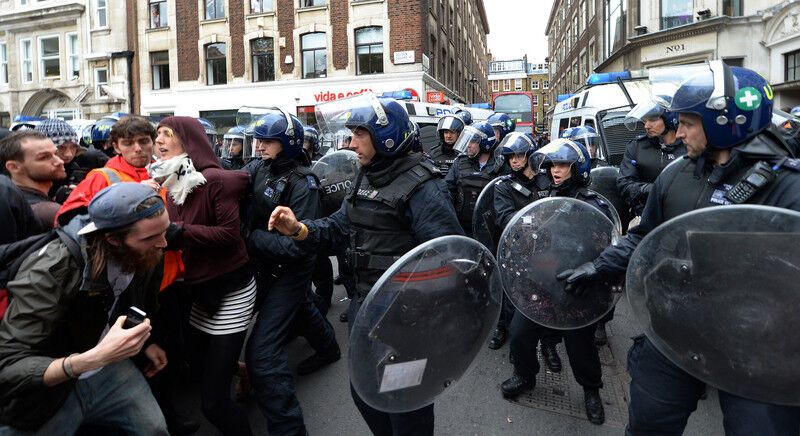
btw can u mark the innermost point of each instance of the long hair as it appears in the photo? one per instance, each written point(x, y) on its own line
point(101, 249)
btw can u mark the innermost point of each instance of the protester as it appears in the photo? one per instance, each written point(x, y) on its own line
point(64, 359)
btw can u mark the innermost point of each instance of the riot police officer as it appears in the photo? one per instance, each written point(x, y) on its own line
point(588, 137)
point(464, 114)
point(724, 120)
point(472, 170)
point(233, 148)
point(502, 125)
point(567, 165)
point(279, 179)
point(443, 154)
point(398, 202)
point(311, 144)
point(647, 155)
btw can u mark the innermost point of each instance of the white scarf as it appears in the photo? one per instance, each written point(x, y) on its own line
point(177, 175)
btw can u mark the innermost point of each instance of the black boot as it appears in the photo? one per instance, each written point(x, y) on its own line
point(600, 337)
point(318, 361)
point(516, 385)
point(594, 406)
point(550, 357)
point(498, 337)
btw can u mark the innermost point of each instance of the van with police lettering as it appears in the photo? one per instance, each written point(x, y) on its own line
point(602, 104)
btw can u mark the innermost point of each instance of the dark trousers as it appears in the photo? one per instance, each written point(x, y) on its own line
point(347, 275)
point(663, 396)
point(550, 337)
point(283, 309)
point(322, 278)
point(583, 358)
point(418, 422)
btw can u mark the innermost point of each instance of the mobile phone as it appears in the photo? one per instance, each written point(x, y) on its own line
point(134, 317)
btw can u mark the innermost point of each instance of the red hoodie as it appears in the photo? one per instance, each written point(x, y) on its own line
point(212, 239)
point(78, 201)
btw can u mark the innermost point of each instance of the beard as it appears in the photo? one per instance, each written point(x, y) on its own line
point(134, 261)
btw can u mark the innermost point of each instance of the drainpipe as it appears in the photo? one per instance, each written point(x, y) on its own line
point(128, 55)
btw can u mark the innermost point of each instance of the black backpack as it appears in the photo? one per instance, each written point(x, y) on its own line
point(13, 254)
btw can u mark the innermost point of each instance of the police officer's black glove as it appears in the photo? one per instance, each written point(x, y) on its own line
point(580, 279)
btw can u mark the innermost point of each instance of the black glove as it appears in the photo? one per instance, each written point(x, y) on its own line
point(174, 236)
point(644, 192)
point(579, 280)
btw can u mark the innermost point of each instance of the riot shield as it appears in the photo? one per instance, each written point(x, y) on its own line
point(422, 324)
point(716, 292)
point(484, 226)
point(614, 214)
point(337, 172)
point(604, 182)
point(544, 238)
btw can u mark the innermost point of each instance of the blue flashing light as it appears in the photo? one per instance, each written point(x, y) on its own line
point(562, 97)
point(481, 105)
point(24, 118)
point(398, 95)
point(603, 78)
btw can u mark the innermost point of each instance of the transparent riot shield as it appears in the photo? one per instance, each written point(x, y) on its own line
point(337, 172)
point(614, 214)
point(484, 227)
point(422, 324)
point(716, 291)
point(604, 182)
point(544, 238)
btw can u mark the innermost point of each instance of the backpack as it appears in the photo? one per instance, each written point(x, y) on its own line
point(13, 254)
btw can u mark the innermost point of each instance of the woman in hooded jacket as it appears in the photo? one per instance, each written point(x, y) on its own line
point(203, 201)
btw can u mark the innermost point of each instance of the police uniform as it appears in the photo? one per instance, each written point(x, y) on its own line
point(465, 180)
point(643, 161)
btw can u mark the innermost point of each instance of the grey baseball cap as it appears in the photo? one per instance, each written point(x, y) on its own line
point(115, 206)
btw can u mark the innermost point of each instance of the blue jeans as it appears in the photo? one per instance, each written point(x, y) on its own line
point(118, 396)
point(663, 396)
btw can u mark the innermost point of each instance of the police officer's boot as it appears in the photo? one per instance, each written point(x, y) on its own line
point(550, 357)
point(600, 336)
point(594, 406)
point(498, 337)
point(516, 385)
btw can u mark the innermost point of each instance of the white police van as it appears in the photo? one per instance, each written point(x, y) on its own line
point(603, 104)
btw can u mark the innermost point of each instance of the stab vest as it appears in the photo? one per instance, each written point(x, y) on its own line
point(442, 159)
point(651, 159)
point(269, 191)
point(470, 184)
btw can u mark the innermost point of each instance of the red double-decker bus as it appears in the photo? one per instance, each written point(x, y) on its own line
point(518, 105)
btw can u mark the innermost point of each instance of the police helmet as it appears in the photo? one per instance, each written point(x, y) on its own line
point(101, 131)
point(652, 109)
point(565, 151)
point(795, 111)
point(284, 127)
point(503, 122)
point(464, 114)
point(482, 133)
point(311, 137)
point(233, 134)
point(386, 121)
point(449, 122)
point(585, 135)
point(734, 103)
point(517, 143)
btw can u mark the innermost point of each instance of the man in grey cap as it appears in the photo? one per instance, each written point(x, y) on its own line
point(64, 352)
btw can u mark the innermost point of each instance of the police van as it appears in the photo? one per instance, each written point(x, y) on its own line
point(603, 104)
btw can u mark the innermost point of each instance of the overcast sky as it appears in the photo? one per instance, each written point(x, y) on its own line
point(516, 27)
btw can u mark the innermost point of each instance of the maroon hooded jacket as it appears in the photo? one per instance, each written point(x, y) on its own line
point(212, 241)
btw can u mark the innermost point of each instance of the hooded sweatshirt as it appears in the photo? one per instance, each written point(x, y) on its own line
point(212, 242)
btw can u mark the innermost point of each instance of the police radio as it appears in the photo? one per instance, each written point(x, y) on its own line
point(759, 176)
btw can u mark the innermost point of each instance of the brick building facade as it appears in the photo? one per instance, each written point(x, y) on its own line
point(208, 58)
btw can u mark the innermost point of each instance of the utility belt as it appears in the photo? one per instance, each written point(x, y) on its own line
point(367, 269)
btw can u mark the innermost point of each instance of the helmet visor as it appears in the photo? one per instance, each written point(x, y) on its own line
point(516, 143)
point(642, 112)
point(335, 116)
point(696, 84)
point(470, 135)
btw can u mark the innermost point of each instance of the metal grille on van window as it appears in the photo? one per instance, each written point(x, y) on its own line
point(617, 137)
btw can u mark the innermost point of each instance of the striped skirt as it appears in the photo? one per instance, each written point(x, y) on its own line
point(233, 316)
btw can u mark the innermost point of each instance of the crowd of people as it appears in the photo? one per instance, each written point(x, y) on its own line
point(129, 264)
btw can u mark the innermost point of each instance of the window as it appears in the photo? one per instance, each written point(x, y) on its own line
point(583, 15)
point(591, 52)
point(534, 84)
point(260, 6)
point(50, 61)
point(507, 85)
point(27, 61)
point(158, 14)
point(315, 55)
point(73, 57)
point(615, 25)
point(3, 64)
point(263, 59)
point(517, 84)
point(545, 84)
point(734, 62)
point(101, 13)
point(369, 50)
point(100, 82)
point(311, 3)
point(676, 13)
point(159, 66)
point(732, 8)
point(216, 68)
point(536, 99)
point(792, 70)
point(215, 9)
point(495, 86)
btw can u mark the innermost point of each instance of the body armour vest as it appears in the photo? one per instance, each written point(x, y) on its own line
point(270, 190)
point(524, 193)
point(651, 159)
point(470, 184)
point(379, 230)
point(442, 158)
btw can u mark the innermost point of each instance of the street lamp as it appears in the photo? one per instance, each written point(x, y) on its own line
point(472, 80)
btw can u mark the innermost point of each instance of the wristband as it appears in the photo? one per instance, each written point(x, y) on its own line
point(67, 366)
point(300, 234)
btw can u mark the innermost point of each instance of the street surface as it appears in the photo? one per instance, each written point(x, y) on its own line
point(475, 406)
